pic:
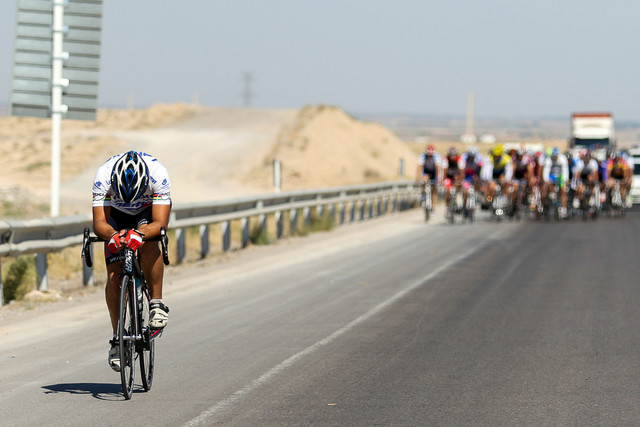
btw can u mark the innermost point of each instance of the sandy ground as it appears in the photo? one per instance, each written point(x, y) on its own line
point(210, 152)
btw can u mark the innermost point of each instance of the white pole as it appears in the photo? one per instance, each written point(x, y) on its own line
point(56, 104)
point(277, 175)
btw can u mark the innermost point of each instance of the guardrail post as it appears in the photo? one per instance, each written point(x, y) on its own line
point(306, 215)
point(262, 218)
point(293, 222)
point(245, 232)
point(341, 210)
point(371, 203)
point(386, 204)
point(332, 212)
point(363, 206)
point(279, 225)
point(352, 211)
point(87, 272)
point(42, 272)
point(204, 240)
point(226, 236)
point(181, 240)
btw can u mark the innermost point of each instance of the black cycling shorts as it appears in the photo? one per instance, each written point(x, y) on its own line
point(120, 221)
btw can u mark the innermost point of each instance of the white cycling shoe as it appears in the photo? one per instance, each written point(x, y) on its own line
point(158, 316)
point(114, 355)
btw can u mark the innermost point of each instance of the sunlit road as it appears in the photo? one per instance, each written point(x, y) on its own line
point(387, 322)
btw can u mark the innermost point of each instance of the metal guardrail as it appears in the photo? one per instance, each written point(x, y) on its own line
point(41, 236)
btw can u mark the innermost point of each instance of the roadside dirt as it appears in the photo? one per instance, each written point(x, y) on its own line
point(210, 152)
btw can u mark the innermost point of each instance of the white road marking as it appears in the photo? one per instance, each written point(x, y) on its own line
point(214, 410)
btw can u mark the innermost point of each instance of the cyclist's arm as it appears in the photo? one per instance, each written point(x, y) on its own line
point(508, 171)
point(101, 227)
point(160, 219)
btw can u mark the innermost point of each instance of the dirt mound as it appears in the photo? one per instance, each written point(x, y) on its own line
point(325, 147)
point(210, 152)
point(25, 150)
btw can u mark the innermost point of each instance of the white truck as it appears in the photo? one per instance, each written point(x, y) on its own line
point(592, 130)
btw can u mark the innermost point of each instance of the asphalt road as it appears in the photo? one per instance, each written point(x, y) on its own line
point(387, 322)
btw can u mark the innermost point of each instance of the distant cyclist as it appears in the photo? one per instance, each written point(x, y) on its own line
point(497, 170)
point(131, 203)
point(453, 173)
point(471, 165)
point(586, 173)
point(618, 170)
point(555, 173)
point(428, 170)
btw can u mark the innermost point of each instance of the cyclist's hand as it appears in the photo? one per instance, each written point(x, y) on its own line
point(133, 239)
point(114, 243)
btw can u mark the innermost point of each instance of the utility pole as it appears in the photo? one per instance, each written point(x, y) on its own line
point(247, 93)
point(469, 135)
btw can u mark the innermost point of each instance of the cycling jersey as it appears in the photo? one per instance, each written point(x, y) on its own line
point(588, 168)
point(521, 168)
point(429, 164)
point(494, 167)
point(618, 170)
point(500, 165)
point(555, 171)
point(451, 164)
point(158, 191)
point(471, 167)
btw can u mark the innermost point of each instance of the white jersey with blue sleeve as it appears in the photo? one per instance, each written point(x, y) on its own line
point(158, 191)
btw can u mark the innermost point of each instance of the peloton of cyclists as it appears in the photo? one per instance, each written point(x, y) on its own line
point(525, 176)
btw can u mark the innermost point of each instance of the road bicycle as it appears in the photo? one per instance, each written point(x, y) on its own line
point(455, 205)
point(134, 336)
point(426, 200)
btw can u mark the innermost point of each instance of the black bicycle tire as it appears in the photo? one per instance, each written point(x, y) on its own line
point(146, 351)
point(127, 349)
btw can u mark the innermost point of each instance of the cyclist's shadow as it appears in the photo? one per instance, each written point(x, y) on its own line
point(102, 391)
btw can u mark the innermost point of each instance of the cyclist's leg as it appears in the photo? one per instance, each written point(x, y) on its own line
point(112, 292)
point(153, 267)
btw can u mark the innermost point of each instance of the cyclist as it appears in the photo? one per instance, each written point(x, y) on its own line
point(618, 170)
point(497, 169)
point(471, 165)
point(428, 170)
point(131, 203)
point(555, 173)
point(586, 173)
point(522, 173)
point(452, 172)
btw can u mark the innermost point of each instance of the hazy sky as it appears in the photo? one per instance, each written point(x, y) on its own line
point(518, 57)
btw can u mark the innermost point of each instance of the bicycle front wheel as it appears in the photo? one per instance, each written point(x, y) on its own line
point(147, 350)
point(126, 338)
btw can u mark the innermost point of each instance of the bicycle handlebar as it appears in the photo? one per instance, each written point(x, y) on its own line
point(88, 239)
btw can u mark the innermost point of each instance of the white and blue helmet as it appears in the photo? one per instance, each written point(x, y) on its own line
point(130, 177)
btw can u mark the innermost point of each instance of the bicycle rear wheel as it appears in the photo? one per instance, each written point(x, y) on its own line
point(126, 338)
point(146, 350)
